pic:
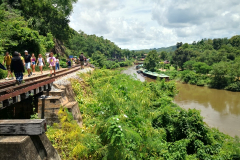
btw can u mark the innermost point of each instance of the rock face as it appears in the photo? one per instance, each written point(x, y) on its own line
point(59, 48)
point(27, 148)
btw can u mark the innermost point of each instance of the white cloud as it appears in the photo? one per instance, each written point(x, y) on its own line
point(139, 24)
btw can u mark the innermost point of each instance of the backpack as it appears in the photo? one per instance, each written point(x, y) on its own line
point(81, 58)
point(8, 58)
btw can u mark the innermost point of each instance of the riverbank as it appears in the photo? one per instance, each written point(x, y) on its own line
point(124, 118)
point(190, 77)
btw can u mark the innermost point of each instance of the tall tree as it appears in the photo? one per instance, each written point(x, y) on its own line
point(235, 41)
point(46, 16)
point(219, 73)
point(163, 55)
point(217, 43)
point(151, 61)
point(179, 44)
point(181, 56)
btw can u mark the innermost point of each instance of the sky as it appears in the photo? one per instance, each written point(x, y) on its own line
point(144, 24)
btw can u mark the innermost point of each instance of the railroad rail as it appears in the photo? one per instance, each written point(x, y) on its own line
point(13, 82)
point(11, 93)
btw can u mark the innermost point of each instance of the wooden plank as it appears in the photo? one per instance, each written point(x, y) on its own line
point(23, 127)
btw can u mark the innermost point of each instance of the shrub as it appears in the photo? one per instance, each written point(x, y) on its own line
point(62, 63)
point(200, 82)
point(109, 64)
point(201, 67)
point(234, 87)
point(189, 77)
point(116, 65)
point(3, 73)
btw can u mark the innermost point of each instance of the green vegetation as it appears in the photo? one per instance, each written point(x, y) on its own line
point(215, 63)
point(63, 62)
point(3, 73)
point(100, 50)
point(151, 61)
point(99, 60)
point(33, 26)
point(91, 44)
point(165, 49)
point(42, 26)
point(124, 118)
point(15, 31)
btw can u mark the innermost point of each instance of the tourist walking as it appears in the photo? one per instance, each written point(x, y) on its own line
point(17, 67)
point(81, 58)
point(7, 59)
point(33, 63)
point(57, 63)
point(40, 62)
point(69, 63)
point(27, 59)
point(52, 63)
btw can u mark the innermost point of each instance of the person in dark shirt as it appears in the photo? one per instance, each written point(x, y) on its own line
point(81, 58)
point(27, 59)
point(69, 63)
point(17, 67)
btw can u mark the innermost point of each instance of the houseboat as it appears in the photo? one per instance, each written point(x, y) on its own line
point(153, 75)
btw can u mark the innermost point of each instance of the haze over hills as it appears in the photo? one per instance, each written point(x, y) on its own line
point(167, 49)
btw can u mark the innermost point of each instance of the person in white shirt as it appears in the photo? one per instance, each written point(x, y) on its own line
point(52, 64)
point(40, 62)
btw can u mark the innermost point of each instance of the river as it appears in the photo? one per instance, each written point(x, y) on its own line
point(220, 108)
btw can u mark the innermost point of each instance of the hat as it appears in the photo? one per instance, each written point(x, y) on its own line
point(25, 51)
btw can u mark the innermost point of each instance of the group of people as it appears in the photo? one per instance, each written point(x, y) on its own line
point(15, 64)
point(82, 59)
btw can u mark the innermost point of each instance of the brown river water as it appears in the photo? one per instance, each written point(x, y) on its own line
point(219, 108)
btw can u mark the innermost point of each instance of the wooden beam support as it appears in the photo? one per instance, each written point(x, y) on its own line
point(37, 90)
point(32, 92)
point(23, 127)
point(24, 90)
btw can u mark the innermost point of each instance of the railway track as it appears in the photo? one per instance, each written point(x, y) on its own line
point(9, 89)
point(13, 82)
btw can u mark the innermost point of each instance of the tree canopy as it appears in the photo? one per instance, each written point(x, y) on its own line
point(151, 61)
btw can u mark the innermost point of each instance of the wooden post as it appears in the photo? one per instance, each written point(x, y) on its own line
point(37, 90)
point(1, 105)
point(43, 107)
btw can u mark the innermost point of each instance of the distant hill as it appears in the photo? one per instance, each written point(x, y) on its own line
point(167, 49)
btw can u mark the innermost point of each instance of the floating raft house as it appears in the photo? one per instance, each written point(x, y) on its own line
point(139, 66)
point(153, 74)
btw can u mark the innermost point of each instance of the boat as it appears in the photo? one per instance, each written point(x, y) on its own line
point(139, 66)
point(153, 75)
